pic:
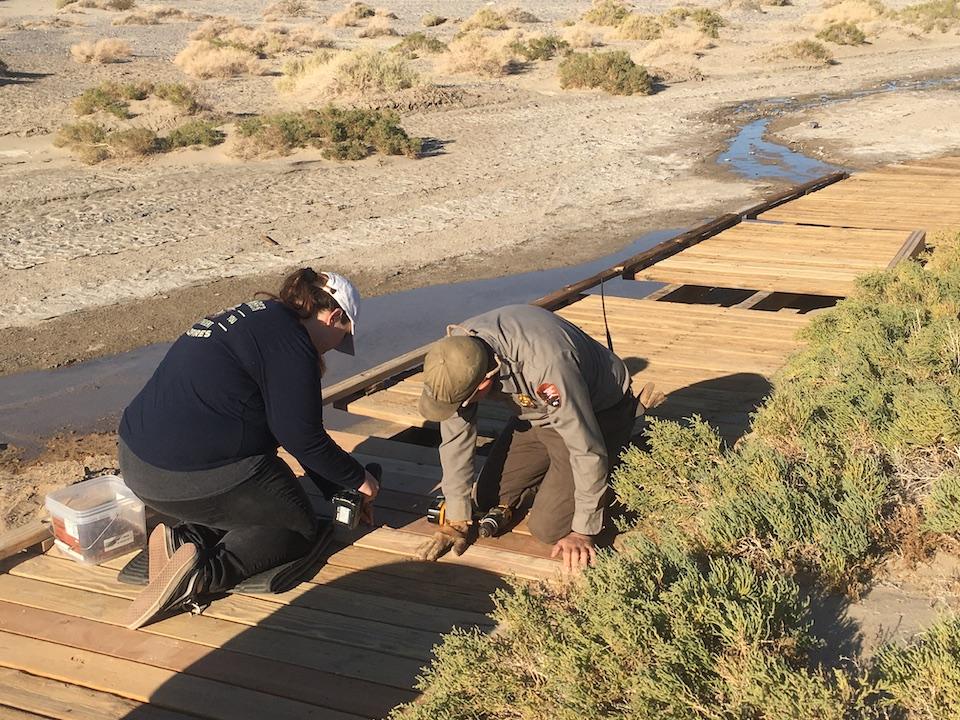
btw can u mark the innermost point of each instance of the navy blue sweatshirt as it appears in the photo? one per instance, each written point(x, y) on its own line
point(236, 385)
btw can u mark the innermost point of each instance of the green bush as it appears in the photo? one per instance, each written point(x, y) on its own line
point(606, 12)
point(179, 95)
point(540, 48)
point(922, 680)
point(842, 33)
point(809, 51)
point(195, 132)
point(859, 417)
point(707, 21)
point(941, 508)
point(112, 98)
point(342, 134)
point(612, 71)
point(648, 633)
point(133, 143)
point(86, 140)
point(415, 44)
point(640, 27)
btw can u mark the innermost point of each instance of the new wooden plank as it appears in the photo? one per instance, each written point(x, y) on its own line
point(212, 632)
point(405, 544)
point(33, 533)
point(63, 701)
point(147, 684)
point(806, 188)
point(251, 611)
point(9, 713)
point(267, 676)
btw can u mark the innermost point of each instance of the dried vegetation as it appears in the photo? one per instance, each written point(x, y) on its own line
point(104, 51)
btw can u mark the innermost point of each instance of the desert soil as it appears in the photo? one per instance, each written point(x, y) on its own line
point(522, 175)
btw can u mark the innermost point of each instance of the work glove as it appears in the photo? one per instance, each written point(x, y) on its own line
point(649, 398)
point(450, 535)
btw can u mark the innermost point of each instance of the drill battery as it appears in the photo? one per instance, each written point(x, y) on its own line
point(347, 504)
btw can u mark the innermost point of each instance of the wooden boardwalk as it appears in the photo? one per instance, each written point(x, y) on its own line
point(349, 642)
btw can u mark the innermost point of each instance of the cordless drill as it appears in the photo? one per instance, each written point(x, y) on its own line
point(348, 503)
point(494, 521)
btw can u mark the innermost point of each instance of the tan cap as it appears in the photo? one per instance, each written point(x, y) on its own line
point(452, 370)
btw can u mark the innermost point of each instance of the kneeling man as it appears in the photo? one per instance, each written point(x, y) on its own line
point(573, 415)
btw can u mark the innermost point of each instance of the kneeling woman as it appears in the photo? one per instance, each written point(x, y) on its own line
point(199, 443)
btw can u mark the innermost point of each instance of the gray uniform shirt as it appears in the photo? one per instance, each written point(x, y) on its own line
point(536, 350)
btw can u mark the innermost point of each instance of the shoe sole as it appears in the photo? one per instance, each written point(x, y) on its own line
point(160, 548)
point(160, 591)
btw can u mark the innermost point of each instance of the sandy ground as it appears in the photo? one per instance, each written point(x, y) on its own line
point(523, 175)
point(880, 124)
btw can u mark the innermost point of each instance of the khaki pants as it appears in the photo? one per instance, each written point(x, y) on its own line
point(527, 460)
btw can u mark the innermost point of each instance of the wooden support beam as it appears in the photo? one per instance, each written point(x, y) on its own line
point(819, 183)
point(34, 533)
point(757, 297)
point(911, 248)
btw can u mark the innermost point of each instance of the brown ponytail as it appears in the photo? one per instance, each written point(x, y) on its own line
point(301, 293)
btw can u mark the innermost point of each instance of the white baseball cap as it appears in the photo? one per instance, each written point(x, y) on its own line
point(348, 298)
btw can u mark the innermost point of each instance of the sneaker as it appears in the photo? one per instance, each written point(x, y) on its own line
point(175, 584)
point(161, 546)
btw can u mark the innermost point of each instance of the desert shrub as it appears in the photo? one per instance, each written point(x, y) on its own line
point(706, 20)
point(612, 71)
point(351, 15)
point(544, 47)
point(648, 633)
point(154, 15)
point(606, 12)
point(366, 73)
point(842, 33)
point(932, 15)
point(418, 43)
point(107, 50)
point(132, 143)
point(111, 98)
point(806, 51)
point(358, 73)
point(342, 134)
point(204, 60)
point(484, 19)
point(287, 8)
point(580, 36)
point(481, 55)
point(941, 509)
point(195, 132)
point(859, 421)
point(518, 15)
point(379, 26)
point(818, 515)
point(432, 20)
point(178, 95)
point(86, 140)
point(922, 679)
point(640, 27)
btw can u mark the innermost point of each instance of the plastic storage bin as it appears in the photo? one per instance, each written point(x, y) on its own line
point(96, 520)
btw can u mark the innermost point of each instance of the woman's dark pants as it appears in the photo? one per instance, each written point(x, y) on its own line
point(245, 518)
